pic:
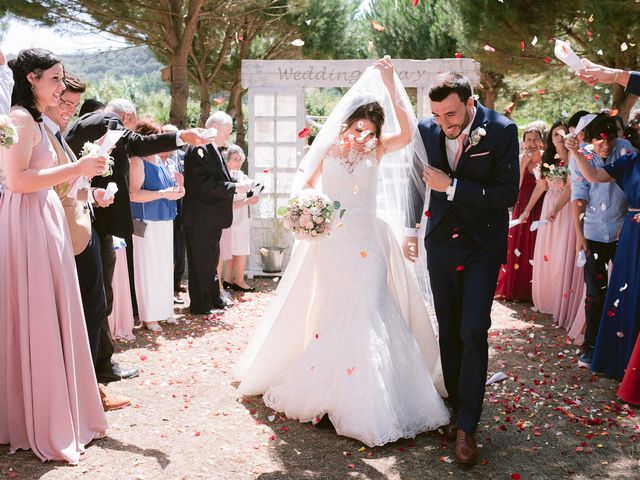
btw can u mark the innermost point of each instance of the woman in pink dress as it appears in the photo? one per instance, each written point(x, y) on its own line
point(557, 286)
point(514, 279)
point(49, 399)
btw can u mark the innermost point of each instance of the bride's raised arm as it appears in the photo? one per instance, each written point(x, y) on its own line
point(400, 139)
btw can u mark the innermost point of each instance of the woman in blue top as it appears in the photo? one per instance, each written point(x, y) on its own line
point(154, 192)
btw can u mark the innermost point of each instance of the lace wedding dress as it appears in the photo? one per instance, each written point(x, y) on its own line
point(348, 334)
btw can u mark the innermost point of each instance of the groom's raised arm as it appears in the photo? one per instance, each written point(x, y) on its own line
point(502, 190)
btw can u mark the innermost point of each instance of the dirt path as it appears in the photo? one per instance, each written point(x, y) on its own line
point(548, 420)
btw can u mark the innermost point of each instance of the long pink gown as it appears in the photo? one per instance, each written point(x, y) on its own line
point(49, 399)
point(558, 285)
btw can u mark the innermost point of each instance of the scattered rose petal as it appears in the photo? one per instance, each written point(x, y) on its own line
point(458, 55)
point(363, 254)
point(460, 268)
point(489, 48)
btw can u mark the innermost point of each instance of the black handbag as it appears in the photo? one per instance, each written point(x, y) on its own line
point(139, 226)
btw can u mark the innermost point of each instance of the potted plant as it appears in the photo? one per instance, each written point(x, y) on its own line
point(273, 247)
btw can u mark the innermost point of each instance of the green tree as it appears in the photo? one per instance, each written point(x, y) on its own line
point(518, 37)
point(418, 32)
point(166, 26)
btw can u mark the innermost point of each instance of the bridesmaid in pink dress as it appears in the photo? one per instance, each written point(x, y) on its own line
point(49, 399)
point(557, 286)
point(514, 279)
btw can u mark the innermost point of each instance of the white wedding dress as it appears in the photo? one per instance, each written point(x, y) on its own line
point(348, 333)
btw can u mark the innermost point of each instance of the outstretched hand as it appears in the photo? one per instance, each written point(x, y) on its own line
point(594, 73)
point(385, 67)
point(571, 143)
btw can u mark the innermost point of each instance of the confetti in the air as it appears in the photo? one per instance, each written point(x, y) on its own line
point(304, 132)
point(377, 26)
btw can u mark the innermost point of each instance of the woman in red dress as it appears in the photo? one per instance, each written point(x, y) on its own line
point(514, 280)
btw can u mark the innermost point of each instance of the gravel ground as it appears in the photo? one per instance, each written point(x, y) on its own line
point(549, 419)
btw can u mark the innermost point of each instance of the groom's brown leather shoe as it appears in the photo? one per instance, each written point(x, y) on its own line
point(466, 448)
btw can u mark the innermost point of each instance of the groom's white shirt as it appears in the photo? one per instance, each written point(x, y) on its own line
point(451, 146)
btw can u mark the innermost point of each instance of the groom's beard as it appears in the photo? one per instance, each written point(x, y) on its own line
point(461, 127)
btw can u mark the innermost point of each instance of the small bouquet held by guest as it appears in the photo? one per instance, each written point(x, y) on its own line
point(90, 148)
point(310, 215)
point(556, 171)
point(8, 132)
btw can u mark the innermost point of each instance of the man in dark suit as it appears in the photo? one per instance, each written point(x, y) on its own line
point(207, 208)
point(473, 175)
point(116, 219)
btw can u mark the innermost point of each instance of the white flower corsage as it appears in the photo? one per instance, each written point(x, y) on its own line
point(476, 136)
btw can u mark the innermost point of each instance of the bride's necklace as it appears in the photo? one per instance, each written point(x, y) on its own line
point(351, 156)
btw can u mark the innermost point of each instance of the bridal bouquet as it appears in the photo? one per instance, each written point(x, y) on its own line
point(310, 215)
point(90, 148)
point(8, 132)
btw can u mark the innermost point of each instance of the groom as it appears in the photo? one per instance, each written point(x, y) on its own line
point(473, 175)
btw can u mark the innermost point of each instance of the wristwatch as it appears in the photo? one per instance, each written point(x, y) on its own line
point(450, 190)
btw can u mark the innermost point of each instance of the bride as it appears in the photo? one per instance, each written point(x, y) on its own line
point(348, 334)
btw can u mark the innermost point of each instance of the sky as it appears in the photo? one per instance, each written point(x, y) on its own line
point(21, 35)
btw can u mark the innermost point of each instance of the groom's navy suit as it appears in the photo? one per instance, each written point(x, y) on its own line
point(466, 242)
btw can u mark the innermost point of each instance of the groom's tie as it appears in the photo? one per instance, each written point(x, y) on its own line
point(461, 140)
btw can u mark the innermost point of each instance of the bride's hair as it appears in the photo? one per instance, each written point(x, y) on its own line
point(370, 110)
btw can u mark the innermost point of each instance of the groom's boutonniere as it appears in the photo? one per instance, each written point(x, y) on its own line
point(476, 136)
